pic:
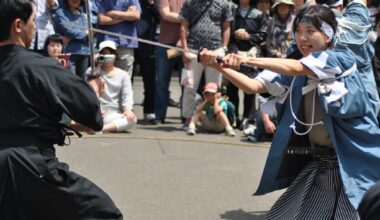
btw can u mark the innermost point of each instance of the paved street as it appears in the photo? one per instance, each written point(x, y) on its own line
point(157, 172)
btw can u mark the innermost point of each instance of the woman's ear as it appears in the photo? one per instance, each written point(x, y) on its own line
point(328, 41)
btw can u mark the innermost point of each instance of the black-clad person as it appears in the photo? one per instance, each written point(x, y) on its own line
point(35, 93)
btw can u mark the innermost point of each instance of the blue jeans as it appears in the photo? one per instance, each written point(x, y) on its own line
point(259, 132)
point(164, 72)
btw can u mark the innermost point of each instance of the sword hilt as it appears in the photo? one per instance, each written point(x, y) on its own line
point(245, 68)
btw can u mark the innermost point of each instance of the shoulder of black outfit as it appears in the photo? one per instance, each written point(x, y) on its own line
point(369, 207)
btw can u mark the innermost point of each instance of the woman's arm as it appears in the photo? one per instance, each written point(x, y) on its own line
point(248, 85)
point(290, 67)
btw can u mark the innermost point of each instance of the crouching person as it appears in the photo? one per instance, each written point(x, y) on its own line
point(114, 89)
point(211, 113)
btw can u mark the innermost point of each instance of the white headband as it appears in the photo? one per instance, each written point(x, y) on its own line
point(327, 29)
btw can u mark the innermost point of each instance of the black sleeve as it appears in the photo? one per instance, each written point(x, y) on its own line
point(67, 93)
point(259, 36)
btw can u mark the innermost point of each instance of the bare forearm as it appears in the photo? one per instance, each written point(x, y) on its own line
point(106, 20)
point(129, 15)
point(200, 107)
point(183, 34)
point(169, 16)
point(248, 85)
point(289, 67)
point(226, 33)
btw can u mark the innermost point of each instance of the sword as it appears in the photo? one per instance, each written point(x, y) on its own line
point(243, 67)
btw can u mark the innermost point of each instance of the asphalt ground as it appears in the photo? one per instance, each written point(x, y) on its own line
point(158, 172)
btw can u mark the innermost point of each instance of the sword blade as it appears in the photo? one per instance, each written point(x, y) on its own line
point(145, 41)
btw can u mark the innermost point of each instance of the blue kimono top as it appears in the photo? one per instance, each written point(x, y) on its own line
point(347, 114)
point(353, 28)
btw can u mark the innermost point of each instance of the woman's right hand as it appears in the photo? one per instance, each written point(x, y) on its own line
point(208, 58)
point(186, 58)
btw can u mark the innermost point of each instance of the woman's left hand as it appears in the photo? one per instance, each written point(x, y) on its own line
point(233, 61)
point(130, 115)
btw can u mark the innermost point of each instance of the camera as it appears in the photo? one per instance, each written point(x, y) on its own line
point(106, 58)
point(64, 59)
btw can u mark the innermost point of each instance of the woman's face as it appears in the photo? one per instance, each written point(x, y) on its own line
point(310, 39)
point(74, 3)
point(53, 49)
point(299, 4)
point(283, 10)
point(244, 2)
point(107, 51)
point(263, 6)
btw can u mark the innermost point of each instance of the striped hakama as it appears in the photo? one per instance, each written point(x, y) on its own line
point(316, 193)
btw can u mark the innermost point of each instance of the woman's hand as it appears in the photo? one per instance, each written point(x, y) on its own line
point(208, 58)
point(130, 115)
point(233, 61)
point(241, 34)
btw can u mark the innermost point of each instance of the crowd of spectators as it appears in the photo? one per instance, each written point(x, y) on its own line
point(259, 28)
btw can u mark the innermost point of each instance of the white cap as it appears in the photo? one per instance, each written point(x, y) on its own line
point(107, 43)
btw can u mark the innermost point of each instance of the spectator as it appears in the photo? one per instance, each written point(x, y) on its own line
point(44, 21)
point(248, 34)
point(71, 23)
point(169, 34)
point(53, 48)
point(354, 27)
point(279, 32)
point(215, 113)
point(264, 6)
point(114, 89)
point(120, 17)
point(147, 28)
point(265, 124)
point(376, 59)
point(203, 24)
point(300, 4)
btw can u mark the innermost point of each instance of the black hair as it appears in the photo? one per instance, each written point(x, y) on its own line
point(10, 10)
point(377, 18)
point(326, 2)
point(66, 3)
point(55, 38)
point(316, 14)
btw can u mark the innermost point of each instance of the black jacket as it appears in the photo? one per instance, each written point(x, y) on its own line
point(35, 93)
point(255, 23)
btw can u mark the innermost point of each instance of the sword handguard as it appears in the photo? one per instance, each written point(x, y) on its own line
point(245, 68)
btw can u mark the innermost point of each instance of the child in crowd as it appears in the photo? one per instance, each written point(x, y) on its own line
point(212, 112)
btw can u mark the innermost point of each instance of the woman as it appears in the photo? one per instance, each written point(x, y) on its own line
point(279, 29)
point(326, 148)
point(71, 23)
point(247, 35)
point(114, 89)
point(53, 47)
point(264, 6)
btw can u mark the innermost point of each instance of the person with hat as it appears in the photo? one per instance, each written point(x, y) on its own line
point(279, 32)
point(212, 112)
point(114, 89)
